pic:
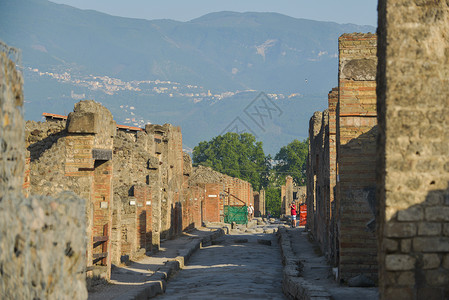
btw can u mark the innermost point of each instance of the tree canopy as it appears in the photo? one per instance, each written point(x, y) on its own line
point(237, 155)
point(292, 160)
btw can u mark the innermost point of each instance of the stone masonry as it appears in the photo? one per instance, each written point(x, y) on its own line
point(341, 164)
point(139, 185)
point(413, 152)
point(42, 239)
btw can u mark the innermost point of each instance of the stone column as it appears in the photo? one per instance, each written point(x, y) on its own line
point(89, 146)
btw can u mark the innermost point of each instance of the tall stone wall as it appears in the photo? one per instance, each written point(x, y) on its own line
point(318, 190)
point(413, 152)
point(42, 240)
point(135, 162)
point(356, 148)
point(332, 213)
point(313, 161)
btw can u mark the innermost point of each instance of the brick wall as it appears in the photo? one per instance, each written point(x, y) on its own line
point(211, 206)
point(356, 147)
point(413, 93)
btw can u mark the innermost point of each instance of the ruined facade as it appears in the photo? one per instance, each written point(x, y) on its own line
point(42, 239)
point(413, 152)
point(341, 164)
point(139, 185)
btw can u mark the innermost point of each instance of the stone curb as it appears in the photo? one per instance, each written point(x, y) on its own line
point(158, 281)
point(293, 285)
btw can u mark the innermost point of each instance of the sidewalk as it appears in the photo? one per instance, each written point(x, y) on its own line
point(148, 276)
point(307, 274)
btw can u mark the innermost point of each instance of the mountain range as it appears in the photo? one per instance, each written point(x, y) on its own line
point(67, 53)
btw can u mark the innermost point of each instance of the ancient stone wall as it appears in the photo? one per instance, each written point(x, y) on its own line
point(356, 148)
point(341, 164)
point(413, 153)
point(318, 201)
point(134, 162)
point(42, 240)
point(313, 160)
point(332, 213)
point(138, 184)
point(77, 155)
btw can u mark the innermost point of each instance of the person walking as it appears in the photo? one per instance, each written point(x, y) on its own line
point(250, 212)
point(293, 213)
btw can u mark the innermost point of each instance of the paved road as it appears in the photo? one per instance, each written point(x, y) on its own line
point(231, 269)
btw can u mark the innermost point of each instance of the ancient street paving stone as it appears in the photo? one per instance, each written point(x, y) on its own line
point(231, 270)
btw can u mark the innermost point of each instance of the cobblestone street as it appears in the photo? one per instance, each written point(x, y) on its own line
point(236, 266)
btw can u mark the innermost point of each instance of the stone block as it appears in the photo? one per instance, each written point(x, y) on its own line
point(101, 154)
point(437, 213)
point(398, 293)
point(437, 278)
point(395, 229)
point(431, 261)
point(430, 293)
point(431, 244)
point(446, 229)
point(359, 69)
point(429, 229)
point(399, 262)
point(446, 261)
point(390, 245)
point(414, 213)
point(406, 278)
point(406, 245)
point(83, 122)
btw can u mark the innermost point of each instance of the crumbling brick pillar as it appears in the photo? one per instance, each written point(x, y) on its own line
point(413, 152)
point(89, 146)
point(284, 201)
point(262, 203)
point(356, 155)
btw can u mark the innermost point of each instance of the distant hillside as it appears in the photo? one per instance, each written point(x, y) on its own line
point(220, 52)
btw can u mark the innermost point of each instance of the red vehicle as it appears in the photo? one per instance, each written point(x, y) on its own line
point(303, 215)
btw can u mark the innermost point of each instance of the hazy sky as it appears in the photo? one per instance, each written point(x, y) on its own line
point(362, 12)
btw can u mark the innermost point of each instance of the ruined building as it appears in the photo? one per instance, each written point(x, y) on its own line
point(139, 185)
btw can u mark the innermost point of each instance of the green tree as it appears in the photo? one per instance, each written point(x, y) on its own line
point(292, 160)
point(273, 201)
point(237, 155)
